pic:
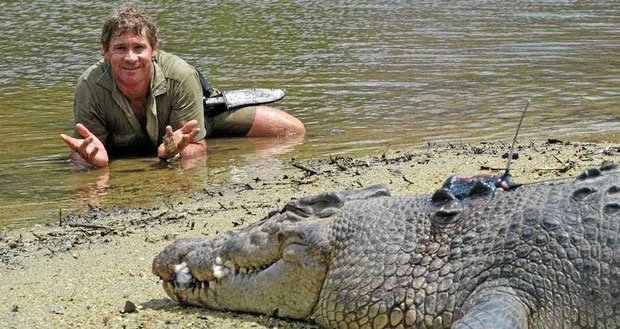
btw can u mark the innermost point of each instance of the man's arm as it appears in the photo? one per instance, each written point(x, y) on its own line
point(90, 148)
point(188, 114)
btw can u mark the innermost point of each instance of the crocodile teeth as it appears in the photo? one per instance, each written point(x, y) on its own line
point(183, 275)
point(220, 271)
point(231, 266)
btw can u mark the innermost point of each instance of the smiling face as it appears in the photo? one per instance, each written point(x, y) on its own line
point(130, 56)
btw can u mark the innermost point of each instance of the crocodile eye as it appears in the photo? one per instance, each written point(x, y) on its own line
point(444, 217)
point(294, 252)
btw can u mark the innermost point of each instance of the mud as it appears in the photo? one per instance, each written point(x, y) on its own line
point(93, 270)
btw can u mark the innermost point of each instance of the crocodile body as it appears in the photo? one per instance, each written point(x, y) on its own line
point(544, 255)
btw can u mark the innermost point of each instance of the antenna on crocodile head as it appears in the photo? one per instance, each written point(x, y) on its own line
point(506, 176)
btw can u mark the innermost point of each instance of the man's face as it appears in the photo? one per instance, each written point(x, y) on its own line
point(130, 57)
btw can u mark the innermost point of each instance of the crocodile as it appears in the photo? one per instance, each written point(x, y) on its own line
point(541, 255)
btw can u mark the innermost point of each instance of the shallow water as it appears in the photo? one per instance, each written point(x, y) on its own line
point(363, 76)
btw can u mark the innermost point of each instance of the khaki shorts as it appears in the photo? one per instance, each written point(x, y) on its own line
point(233, 123)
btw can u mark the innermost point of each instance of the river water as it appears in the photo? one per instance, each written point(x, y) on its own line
point(365, 76)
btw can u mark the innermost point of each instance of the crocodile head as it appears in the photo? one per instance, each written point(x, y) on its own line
point(254, 269)
point(276, 266)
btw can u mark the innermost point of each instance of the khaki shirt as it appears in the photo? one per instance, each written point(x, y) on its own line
point(175, 98)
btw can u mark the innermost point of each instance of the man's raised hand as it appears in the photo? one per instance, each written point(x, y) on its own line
point(175, 142)
point(88, 150)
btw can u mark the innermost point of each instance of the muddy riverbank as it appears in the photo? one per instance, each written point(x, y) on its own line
point(94, 269)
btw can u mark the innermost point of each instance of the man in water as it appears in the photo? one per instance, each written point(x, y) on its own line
point(140, 100)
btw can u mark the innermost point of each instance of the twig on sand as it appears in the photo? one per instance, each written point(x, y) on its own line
point(179, 215)
point(483, 167)
point(566, 165)
point(304, 168)
point(248, 211)
point(158, 216)
point(91, 226)
point(302, 182)
point(558, 159)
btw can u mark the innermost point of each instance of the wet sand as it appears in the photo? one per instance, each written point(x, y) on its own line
point(88, 270)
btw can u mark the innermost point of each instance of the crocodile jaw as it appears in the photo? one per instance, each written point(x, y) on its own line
point(273, 268)
point(283, 289)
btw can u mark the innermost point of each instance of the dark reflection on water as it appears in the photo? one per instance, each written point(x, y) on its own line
point(364, 76)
